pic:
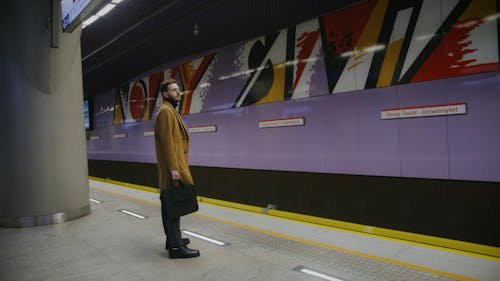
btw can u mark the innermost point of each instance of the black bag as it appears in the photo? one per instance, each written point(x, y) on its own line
point(181, 200)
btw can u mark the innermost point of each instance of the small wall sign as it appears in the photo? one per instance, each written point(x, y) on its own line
point(119, 136)
point(286, 122)
point(203, 129)
point(423, 111)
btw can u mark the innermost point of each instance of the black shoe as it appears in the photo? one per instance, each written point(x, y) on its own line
point(182, 252)
point(185, 241)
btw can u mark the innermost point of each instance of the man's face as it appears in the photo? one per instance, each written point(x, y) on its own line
point(174, 92)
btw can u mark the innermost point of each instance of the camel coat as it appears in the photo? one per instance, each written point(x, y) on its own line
point(172, 146)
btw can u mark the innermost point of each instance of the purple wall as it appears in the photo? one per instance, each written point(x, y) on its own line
point(343, 133)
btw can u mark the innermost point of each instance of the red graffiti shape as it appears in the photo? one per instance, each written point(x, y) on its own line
point(447, 60)
point(137, 102)
point(306, 44)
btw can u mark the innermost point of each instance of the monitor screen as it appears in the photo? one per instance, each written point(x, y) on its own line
point(87, 114)
point(74, 11)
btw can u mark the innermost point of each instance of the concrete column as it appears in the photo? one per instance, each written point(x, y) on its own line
point(43, 174)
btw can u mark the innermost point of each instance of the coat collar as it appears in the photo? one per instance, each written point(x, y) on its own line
point(179, 118)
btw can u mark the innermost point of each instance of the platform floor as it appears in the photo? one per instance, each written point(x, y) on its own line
point(109, 245)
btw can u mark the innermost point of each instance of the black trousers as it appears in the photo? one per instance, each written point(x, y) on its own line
point(171, 226)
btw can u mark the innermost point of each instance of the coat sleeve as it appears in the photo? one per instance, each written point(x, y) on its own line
point(165, 128)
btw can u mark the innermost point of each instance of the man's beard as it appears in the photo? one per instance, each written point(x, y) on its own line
point(173, 102)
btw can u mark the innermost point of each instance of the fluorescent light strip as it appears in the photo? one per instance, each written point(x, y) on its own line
point(133, 214)
point(101, 13)
point(316, 274)
point(95, 201)
point(105, 10)
point(90, 20)
point(217, 242)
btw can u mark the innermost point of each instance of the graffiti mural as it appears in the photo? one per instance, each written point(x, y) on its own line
point(397, 42)
point(374, 43)
point(135, 101)
point(195, 78)
point(262, 64)
point(307, 59)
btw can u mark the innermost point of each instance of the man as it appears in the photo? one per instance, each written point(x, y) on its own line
point(172, 147)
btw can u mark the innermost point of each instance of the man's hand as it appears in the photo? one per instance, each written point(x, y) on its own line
point(175, 175)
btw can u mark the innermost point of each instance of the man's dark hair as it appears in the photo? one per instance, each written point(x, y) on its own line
point(165, 83)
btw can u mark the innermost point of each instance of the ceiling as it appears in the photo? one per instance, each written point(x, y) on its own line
point(139, 35)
